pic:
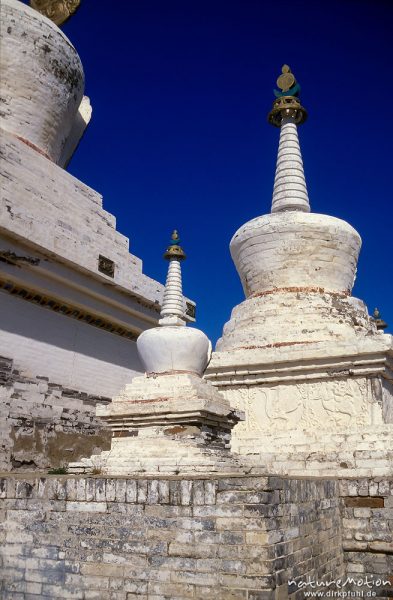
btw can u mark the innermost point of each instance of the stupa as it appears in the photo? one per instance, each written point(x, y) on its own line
point(169, 420)
point(301, 356)
point(73, 299)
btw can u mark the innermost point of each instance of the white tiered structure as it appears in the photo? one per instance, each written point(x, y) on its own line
point(300, 355)
point(170, 420)
point(290, 189)
point(73, 300)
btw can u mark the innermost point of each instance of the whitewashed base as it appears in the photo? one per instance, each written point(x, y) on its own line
point(168, 423)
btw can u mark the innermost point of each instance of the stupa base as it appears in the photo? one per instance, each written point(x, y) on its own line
point(155, 455)
point(168, 423)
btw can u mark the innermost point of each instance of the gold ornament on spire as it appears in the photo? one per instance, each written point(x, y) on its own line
point(286, 79)
point(174, 249)
point(287, 104)
point(57, 11)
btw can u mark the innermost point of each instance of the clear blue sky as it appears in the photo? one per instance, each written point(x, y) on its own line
point(180, 91)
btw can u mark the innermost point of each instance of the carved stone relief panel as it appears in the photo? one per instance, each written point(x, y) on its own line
point(335, 404)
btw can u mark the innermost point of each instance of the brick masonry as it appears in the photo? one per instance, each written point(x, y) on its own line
point(367, 520)
point(43, 424)
point(228, 538)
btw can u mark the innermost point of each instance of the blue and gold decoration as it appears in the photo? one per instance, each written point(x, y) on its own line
point(287, 104)
point(174, 249)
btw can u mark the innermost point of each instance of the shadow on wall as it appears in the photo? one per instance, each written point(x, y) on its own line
point(68, 352)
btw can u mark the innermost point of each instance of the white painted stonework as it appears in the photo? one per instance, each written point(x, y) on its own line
point(173, 302)
point(79, 126)
point(285, 318)
point(172, 346)
point(182, 348)
point(171, 420)
point(156, 416)
point(73, 299)
point(56, 228)
point(290, 189)
point(300, 356)
point(296, 249)
point(54, 212)
point(42, 80)
point(69, 353)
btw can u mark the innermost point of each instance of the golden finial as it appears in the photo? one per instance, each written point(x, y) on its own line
point(57, 11)
point(286, 80)
point(287, 103)
point(174, 250)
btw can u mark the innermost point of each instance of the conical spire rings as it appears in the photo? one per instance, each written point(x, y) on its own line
point(173, 307)
point(290, 189)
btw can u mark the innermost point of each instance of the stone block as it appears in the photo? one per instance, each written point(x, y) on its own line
point(245, 582)
point(95, 507)
point(55, 591)
point(362, 513)
point(102, 569)
point(186, 492)
point(80, 490)
point(100, 490)
point(152, 492)
point(131, 491)
point(24, 489)
point(364, 502)
point(141, 491)
point(190, 577)
point(110, 490)
point(198, 493)
point(384, 488)
point(163, 491)
point(135, 587)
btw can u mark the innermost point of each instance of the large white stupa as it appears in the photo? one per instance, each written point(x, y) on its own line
point(300, 355)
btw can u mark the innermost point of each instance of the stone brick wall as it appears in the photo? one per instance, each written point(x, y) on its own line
point(225, 538)
point(43, 424)
point(367, 520)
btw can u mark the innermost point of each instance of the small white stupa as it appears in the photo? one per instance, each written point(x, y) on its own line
point(170, 420)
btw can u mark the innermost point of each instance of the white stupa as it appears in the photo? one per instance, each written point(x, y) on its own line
point(300, 355)
point(170, 420)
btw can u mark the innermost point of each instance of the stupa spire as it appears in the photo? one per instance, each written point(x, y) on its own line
point(172, 311)
point(290, 189)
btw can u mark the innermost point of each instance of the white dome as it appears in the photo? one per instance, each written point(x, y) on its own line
point(295, 249)
point(166, 349)
point(42, 80)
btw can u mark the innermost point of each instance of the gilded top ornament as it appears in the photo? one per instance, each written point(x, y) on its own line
point(174, 249)
point(287, 104)
point(57, 11)
point(287, 83)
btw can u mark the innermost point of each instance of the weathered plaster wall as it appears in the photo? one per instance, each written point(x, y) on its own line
point(149, 539)
point(67, 351)
point(42, 80)
point(44, 424)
